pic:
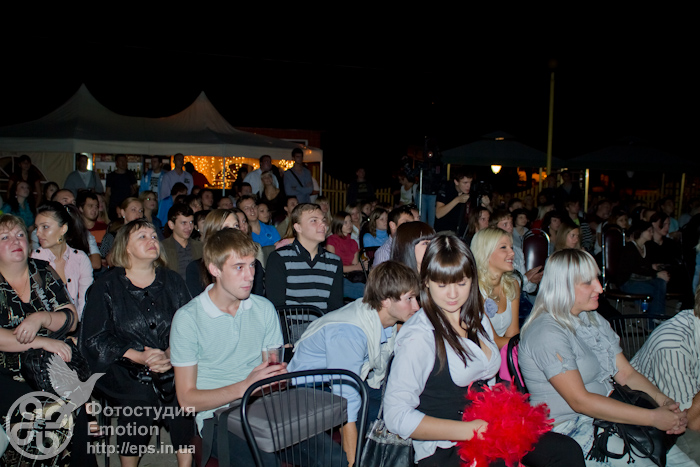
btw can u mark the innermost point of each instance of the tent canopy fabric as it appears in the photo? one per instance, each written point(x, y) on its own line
point(632, 155)
point(498, 148)
point(82, 124)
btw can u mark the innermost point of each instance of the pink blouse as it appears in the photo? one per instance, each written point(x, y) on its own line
point(78, 273)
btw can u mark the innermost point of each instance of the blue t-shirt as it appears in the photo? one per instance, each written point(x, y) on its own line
point(268, 235)
point(369, 240)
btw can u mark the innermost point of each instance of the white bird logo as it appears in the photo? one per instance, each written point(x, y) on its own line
point(66, 383)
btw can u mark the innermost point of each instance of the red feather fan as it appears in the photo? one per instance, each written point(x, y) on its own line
point(514, 425)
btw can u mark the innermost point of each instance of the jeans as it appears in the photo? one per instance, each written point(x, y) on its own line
point(427, 209)
point(656, 288)
point(581, 430)
point(353, 290)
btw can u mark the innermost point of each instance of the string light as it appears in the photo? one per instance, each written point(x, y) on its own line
point(212, 168)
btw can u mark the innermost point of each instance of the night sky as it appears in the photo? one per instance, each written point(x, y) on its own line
point(373, 91)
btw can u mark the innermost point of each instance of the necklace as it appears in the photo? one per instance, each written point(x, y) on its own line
point(21, 291)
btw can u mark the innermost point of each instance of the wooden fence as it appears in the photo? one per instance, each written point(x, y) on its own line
point(336, 192)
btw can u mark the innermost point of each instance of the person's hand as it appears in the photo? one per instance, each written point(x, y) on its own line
point(667, 418)
point(155, 359)
point(534, 275)
point(462, 198)
point(478, 427)
point(663, 275)
point(265, 370)
point(56, 346)
point(27, 329)
point(485, 201)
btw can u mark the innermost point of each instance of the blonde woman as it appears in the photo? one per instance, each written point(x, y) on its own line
point(493, 251)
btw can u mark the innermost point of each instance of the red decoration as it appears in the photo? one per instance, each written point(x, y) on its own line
point(514, 425)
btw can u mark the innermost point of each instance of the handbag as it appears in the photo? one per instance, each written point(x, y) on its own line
point(163, 384)
point(34, 363)
point(645, 442)
point(383, 448)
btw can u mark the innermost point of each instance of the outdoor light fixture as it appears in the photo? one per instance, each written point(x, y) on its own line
point(495, 168)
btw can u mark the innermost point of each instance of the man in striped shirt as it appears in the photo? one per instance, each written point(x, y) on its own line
point(304, 273)
point(670, 359)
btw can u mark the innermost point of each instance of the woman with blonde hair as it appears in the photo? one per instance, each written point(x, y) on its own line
point(568, 236)
point(493, 251)
point(149, 199)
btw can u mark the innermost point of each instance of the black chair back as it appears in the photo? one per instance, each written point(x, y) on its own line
point(613, 243)
point(294, 319)
point(535, 249)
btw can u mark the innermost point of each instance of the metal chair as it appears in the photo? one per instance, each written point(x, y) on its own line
point(295, 416)
point(294, 319)
point(634, 331)
point(535, 249)
point(613, 242)
point(367, 253)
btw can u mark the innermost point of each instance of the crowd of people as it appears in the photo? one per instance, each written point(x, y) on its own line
point(170, 290)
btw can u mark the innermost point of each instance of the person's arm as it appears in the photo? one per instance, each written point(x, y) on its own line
point(514, 327)
point(694, 414)
point(442, 209)
point(85, 280)
point(276, 280)
point(627, 375)
point(335, 300)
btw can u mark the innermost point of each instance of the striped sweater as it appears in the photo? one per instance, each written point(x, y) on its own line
point(293, 278)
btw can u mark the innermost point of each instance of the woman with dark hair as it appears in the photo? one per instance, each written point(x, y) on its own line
point(130, 209)
point(550, 225)
point(125, 333)
point(568, 236)
point(50, 188)
point(637, 274)
point(376, 228)
point(64, 244)
point(568, 354)
point(444, 348)
point(341, 243)
point(25, 171)
point(410, 242)
point(21, 203)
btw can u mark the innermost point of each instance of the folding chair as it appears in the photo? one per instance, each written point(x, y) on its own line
point(294, 319)
point(295, 416)
point(613, 243)
point(535, 249)
point(634, 331)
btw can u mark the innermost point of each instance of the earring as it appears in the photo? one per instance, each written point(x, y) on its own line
point(60, 239)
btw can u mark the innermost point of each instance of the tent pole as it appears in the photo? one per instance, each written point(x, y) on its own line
point(540, 178)
point(449, 166)
point(223, 177)
point(550, 128)
point(320, 185)
point(680, 198)
point(585, 192)
point(663, 185)
point(420, 187)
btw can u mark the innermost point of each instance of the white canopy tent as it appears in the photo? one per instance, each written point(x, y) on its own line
point(82, 124)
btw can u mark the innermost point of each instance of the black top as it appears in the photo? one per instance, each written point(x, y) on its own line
point(119, 316)
point(457, 219)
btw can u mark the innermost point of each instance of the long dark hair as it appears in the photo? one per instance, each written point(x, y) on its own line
point(405, 240)
point(448, 260)
point(12, 198)
point(76, 235)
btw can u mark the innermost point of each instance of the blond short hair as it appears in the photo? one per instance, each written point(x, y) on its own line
point(221, 244)
point(9, 222)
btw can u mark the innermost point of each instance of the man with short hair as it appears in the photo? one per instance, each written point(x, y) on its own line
point(360, 189)
point(224, 203)
point(207, 197)
point(454, 204)
point(298, 180)
point(179, 189)
point(304, 273)
point(82, 178)
point(88, 205)
point(670, 359)
point(263, 234)
point(282, 227)
point(64, 197)
point(177, 175)
point(397, 216)
point(216, 339)
point(198, 178)
point(120, 184)
point(253, 178)
point(151, 181)
point(180, 250)
point(360, 338)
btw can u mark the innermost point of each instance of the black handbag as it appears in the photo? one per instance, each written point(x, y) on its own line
point(643, 441)
point(383, 448)
point(163, 384)
point(34, 363)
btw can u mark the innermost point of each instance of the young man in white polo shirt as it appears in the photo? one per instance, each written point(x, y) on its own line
point(216, 340)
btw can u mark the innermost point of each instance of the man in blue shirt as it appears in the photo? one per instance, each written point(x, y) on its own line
point(263, 234)
point(360, 337)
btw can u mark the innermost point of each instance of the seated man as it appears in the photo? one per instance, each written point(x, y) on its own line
point(180, 249)
point(360, 338)
point(164, 206)
point(397, 216)
point(283, 225)
point(304, 273)
point(263, 234)
point(670, 359)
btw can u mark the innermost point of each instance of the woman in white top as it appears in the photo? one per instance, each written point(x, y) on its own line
point(440, 351)
point(493, 250)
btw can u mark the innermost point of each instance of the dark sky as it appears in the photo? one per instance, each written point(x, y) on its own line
point(375, 92)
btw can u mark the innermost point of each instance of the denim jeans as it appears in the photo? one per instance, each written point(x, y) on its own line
point(427, 209)
point(656, 288)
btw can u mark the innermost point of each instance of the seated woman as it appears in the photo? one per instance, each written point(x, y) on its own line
point(550, 225)
point(568, 353)
point(21, 203)
point(376, 228)
point(341, 243)
point(568, 236)
point(149, 199)
point(64, 245)
point(410, 242)
point(439, 352)
point(667, 253)
point(637, 274)
point(130, 209)
point(493, 250)
point(520, 230)
point(356, 216)
point(125, 333)
point(478, 219)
